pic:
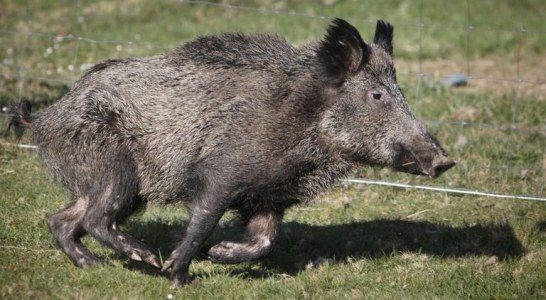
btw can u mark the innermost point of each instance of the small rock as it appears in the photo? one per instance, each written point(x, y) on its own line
point(456, 80)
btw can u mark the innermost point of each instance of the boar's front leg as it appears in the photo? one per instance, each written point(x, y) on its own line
point(261, 232)
point(205, 212)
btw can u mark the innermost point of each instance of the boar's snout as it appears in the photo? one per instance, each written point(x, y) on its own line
point(440, 164)
point(425, 159)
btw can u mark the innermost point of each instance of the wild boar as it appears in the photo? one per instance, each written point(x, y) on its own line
point(242, 122)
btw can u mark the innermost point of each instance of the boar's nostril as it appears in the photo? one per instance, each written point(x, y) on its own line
point(440, 167)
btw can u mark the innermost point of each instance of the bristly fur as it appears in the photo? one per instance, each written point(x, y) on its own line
point(384, 35)
point(343, 51)
point(243, 122)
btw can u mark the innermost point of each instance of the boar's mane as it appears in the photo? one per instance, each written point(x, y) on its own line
point(235, 50)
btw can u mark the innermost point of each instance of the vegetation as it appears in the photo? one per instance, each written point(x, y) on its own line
point(356, 241)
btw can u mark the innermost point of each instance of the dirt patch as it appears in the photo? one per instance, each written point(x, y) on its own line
point(496, 74)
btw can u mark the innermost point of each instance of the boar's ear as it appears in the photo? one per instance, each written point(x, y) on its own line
point(383, 35)
point(343, 51)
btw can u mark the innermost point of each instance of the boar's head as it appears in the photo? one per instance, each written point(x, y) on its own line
point(367, 118)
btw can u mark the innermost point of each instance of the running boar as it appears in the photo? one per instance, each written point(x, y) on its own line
point(243, 122)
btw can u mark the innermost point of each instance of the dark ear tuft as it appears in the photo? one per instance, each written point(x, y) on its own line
point(343, 51)
point(383, 35)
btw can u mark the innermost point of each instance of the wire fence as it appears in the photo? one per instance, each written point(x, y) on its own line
point(61, 58)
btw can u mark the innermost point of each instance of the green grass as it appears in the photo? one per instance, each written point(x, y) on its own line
point(382, 242)
point(374, 242)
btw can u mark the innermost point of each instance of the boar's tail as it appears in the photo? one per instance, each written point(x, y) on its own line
point(21, 118)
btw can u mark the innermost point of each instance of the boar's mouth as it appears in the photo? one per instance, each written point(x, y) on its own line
point(429, 163)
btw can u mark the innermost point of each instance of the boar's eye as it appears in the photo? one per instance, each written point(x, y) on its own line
point(376, 96)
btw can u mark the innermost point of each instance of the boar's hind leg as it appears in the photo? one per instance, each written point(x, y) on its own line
point(261, 232)
point(67, 229)
point(114, 200)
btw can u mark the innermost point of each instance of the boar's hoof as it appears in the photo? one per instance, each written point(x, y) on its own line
point(179, 279)
point(145, 255)
point(233, 253)
point(179, 274)
point(224, 252)
point(167, 265)
point(151, 259)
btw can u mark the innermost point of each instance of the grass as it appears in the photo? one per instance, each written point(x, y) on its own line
point(376, 242)
point(354, 241)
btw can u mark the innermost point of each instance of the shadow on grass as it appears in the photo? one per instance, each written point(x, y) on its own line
point(301, 243)
point(378, 238)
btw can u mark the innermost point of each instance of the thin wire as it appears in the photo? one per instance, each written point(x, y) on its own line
point(444, 189)
point(399, 185)
point(19, 145)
